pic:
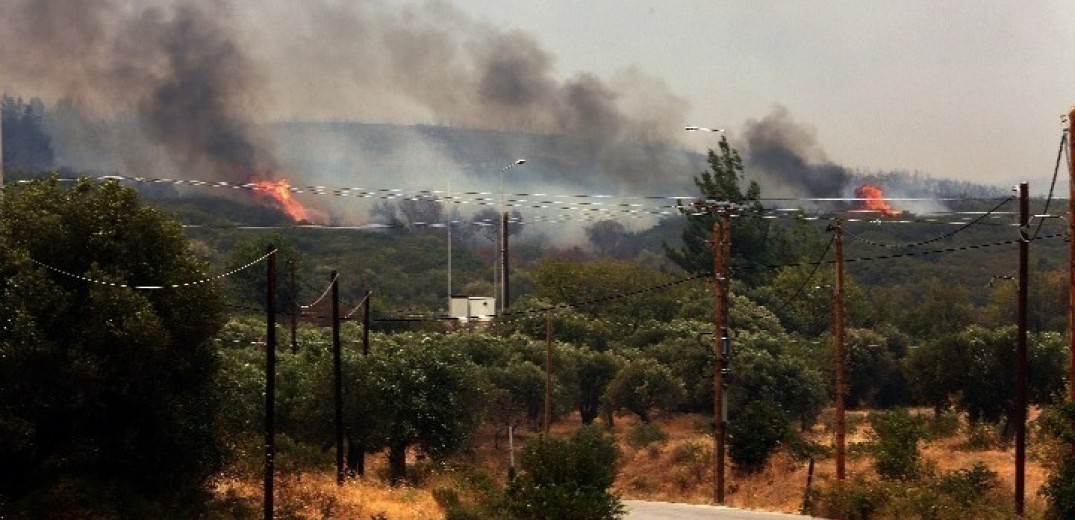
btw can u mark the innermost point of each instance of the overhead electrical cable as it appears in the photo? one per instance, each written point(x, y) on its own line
point(322, 297)
point(934, 239)
point(152, 287)
point(1052, 185)
point(802, 287)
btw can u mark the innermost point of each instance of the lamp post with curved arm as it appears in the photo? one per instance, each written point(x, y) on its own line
point(503, 296)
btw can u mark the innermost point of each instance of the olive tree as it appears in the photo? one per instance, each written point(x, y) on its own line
point(106, 383)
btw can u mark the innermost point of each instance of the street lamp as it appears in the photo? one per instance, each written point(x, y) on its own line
point(702, 129)
point(503, 296)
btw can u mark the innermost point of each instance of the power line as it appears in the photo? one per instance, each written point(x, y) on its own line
point(909, 254)
point(802, 287)
point(327, 290)
point(150, 287)
point(937, 238)
point(489, 198)
point(1052, 185)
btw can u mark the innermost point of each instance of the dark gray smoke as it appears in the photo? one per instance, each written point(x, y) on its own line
point(175, 66)
point(194, 106)
point(428, 62)
point(206, 78)
point(789, 159)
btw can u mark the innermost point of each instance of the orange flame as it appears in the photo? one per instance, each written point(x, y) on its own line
point(873, 199)
point(281, 191)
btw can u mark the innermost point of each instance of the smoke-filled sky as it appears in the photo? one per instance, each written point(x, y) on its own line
point(959, 89)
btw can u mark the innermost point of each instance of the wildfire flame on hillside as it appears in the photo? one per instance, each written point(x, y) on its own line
point(873, 199)
point(281, 192)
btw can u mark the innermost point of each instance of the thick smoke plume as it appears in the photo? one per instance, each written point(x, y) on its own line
point(203, 76)
point(175, 66)
point(786, 160)
point(789, 160)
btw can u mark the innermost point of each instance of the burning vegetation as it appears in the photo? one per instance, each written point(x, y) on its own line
point(872, 199)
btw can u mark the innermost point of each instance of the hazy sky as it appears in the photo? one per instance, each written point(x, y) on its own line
point(965, 89)
point(960, 89)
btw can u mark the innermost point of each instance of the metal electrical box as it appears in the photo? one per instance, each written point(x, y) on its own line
point(466, 308)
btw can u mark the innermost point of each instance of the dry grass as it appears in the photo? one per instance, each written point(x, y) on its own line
point(678, 469)
point(316, 495)
point(663, 472)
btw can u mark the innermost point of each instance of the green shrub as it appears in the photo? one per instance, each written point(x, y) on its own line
point(1059, 488)
point(896, 435)
point(644, 434)
point(855, 499)
point(943, 426)
point(566, 478)
point(982, 436)
point(755, 434)
point(967, 493)
point(475, 495)
point(691, 453)
point(968, 486)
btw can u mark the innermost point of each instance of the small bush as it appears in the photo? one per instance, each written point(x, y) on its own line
point(643, 483)
point(567, 478)
point(475, 496)
point(692, 453)
point(981, 436)
point(643, 434)
point(896, 446)
point(1059, 488)
point(855, 499)
point(968, 493)
point(969, 485)
point(755, 434)
point(943, 426)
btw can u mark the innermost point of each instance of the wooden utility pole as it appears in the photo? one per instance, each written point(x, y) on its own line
point(337, 376)
point(720, 249)
point(270, 376)
point(839, 354)
point(366, 323)
point(1020, 350)
point(548, 371)
point(1, 149)
point(1071, 262)
point(504, 279)
point(356, 453)
point(294, 308)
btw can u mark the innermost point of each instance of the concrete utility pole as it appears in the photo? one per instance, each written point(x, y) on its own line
point(270, 376)
point(839, 354)
point(1020, 350)
point(721, 247)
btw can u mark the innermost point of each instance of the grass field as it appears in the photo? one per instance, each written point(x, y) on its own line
point(678, 467)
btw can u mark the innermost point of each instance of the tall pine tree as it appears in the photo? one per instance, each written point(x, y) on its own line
point(755, 241)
